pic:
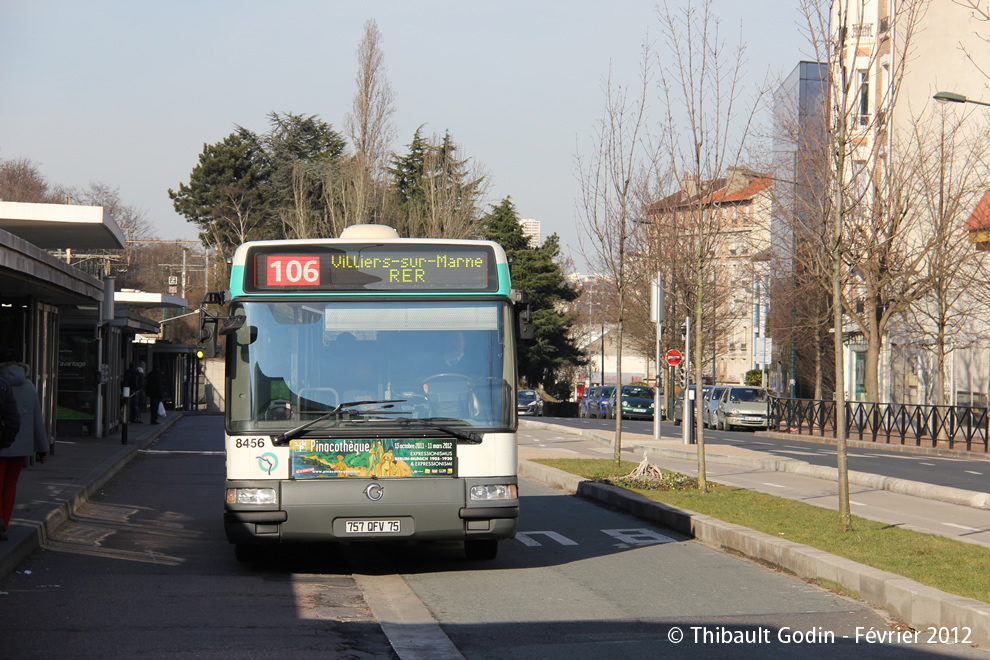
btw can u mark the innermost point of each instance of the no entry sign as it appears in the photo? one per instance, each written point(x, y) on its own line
point(674, 357)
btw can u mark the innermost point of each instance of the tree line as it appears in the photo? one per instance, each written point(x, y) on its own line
point(302, 178)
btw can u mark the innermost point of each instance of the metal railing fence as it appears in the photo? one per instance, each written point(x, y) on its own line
point(963, 428)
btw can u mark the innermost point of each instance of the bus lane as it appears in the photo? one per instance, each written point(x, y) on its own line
point(583, 581)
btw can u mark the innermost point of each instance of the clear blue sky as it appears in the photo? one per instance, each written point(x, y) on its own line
point(127, 93)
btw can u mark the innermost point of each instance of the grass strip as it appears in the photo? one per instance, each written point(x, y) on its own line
point(937, 561)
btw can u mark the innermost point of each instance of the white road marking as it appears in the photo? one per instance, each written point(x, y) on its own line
point(979, 474)
point(602, 450)
point(638, 536)
point(857, 503)
point(767, 483)
point(533, 543)
point(162, 451)
point(968, 529)
point(928, 464)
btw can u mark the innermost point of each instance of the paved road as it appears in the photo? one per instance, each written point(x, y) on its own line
point(583, 581)
point(956, 472)
point(144, 570)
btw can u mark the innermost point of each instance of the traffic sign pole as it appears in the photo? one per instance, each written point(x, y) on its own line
point(688, 418)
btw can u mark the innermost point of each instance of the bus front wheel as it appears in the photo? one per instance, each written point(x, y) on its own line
point(481, 549)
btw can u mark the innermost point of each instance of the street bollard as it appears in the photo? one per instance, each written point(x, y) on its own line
point(123, 417)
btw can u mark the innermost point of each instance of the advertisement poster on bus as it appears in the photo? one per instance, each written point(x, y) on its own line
point(358, 457)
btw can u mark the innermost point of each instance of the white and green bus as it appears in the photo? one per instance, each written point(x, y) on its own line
point(370, 391)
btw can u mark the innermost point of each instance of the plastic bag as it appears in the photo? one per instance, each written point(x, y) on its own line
point(161, 410)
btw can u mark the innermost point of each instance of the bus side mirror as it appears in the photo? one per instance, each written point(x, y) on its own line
point(207, 346)
point(524, 314)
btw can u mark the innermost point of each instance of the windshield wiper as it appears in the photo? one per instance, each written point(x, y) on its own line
point(282, 438)
point(467, 436)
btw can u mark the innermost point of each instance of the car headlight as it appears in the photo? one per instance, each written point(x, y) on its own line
point(494, 492)
point(251, 496)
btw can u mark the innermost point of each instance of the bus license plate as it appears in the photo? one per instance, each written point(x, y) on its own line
point(371, 526)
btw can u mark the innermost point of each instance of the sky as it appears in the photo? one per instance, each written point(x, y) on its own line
point(127, 93)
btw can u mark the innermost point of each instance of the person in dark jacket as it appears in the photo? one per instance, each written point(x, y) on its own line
point(10, 417)
point(31, 439)
point(154, 386)
point(134, 379)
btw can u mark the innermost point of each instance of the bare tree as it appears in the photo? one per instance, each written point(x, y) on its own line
point(608, 202)
point(356, 189)
point(134, 222)
point(874, 262)
point(370, 122)
point(703, 134)
point(22, 181)
point(981, 13)
point(950, 176)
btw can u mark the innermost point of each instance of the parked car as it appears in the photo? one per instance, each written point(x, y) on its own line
point(678, 415)
point(711, 405)
point(590, 394)
point(595, 407)
point(529, 402)
point(743, 406)
point(637, 402)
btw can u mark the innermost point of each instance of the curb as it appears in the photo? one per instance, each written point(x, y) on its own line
point(915, 604)
point(20, 546)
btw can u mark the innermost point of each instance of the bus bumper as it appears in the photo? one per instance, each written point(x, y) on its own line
point(424, 509)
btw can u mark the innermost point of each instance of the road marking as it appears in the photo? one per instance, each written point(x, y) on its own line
point(640, 536)
point(979, 474)
point(533, 543)
point(602, 450)
point(163, 451)
point(857, 503)
point(968, 529)
point(928, 464)
point(767, 483)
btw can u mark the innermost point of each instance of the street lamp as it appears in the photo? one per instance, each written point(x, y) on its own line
point(952, 97)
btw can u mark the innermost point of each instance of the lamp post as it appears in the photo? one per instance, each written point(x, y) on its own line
point(952, 97)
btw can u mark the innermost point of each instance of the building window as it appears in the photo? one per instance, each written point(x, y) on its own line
point(864, 97)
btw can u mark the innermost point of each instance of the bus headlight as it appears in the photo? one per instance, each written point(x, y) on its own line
point(251, 496)
point(494, 492)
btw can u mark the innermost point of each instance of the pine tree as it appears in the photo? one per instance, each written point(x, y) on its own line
point(534, 270)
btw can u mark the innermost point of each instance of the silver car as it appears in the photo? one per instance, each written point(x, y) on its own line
point(712, 396)
point(678, 414)
point(743, 406)
point(529, 402)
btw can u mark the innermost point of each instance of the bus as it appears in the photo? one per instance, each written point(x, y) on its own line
point(370, 391)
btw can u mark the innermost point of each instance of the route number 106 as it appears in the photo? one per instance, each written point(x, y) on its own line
point(293, 271)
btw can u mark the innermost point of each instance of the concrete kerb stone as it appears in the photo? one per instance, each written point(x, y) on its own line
point(919, 606)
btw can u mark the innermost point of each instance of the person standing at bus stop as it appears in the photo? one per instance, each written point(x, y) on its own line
point(134, 379)
point(31, 438)
point(154, 385)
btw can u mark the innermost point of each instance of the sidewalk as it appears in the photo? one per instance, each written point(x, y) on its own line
point(48, 493)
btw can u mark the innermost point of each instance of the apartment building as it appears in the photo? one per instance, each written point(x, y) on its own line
point(913, 168)
point(736, 216)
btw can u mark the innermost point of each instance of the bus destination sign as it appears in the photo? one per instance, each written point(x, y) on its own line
point(371, 268)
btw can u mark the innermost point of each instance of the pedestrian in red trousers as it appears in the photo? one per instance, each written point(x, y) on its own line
point(31, 439)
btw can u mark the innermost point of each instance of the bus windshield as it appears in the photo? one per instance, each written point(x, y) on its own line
point(448, 363)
